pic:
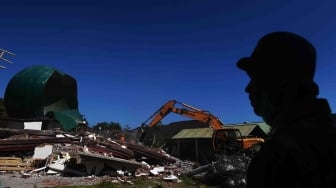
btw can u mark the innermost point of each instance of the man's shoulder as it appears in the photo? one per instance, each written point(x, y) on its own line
point(300, 148)
point(275, 151)
point(280, 142)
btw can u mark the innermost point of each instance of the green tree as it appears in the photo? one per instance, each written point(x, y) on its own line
point(127, 128)
point(106, 126)
point(109, 130)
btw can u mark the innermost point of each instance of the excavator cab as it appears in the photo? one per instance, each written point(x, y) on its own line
point(227, 139)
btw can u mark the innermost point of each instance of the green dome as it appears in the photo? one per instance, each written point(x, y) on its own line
point(38, 91)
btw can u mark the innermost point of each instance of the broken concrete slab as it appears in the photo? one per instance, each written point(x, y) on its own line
point(112, 162)
point(42, 151)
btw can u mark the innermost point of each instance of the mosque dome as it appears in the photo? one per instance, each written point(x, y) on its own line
point(39, 91)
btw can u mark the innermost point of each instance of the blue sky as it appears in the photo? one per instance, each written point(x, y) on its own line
point(130, 57)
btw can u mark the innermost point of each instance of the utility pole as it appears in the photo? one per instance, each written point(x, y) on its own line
point(2, 53)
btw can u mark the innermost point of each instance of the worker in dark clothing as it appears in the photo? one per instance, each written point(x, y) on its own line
point(301, 151)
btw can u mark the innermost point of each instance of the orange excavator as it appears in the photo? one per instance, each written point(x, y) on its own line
point(222, 138)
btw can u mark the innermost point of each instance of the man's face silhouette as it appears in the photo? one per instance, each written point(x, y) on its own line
point(259, 98)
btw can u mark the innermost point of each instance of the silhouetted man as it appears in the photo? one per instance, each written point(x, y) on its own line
point(302, 149)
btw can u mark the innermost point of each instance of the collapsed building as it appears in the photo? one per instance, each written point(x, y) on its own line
point(40, 137)
point(41, 134)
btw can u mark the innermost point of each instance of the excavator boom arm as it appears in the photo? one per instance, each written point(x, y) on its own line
point(160, 114)
point(187, 111)
point(202, 116)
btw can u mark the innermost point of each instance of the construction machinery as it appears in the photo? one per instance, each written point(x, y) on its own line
point(223, 137)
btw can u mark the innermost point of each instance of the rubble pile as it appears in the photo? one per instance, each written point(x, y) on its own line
point(228, 172)
point(45, 153)
point(34, 153)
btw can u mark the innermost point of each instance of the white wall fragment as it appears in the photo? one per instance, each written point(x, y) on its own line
point(42, 152)
point(33, 125)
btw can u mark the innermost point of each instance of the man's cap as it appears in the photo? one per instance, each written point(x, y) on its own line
point(281, 54)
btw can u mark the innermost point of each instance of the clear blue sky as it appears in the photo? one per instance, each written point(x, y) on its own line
point(129, 57)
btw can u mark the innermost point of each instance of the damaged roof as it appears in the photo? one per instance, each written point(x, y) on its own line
point(39, 90)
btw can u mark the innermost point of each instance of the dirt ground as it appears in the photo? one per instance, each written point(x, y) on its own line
point(16, 180)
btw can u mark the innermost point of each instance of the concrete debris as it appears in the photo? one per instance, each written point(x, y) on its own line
point(45, 153)
point(172, 178)
point(157, 170)
point(229, 171)
point(42, 151)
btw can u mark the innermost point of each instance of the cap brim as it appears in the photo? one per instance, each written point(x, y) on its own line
point(245, 63)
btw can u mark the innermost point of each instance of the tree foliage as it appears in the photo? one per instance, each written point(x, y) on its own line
point(103, 126)
point(108, 130)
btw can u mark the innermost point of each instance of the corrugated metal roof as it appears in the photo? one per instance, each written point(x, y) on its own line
point(265, 127)
point(245, 130)
point(194, 133)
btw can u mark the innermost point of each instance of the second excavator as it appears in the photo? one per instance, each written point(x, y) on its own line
point(224, 138)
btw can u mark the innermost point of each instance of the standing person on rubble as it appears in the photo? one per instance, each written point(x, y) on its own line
point(301, 152)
